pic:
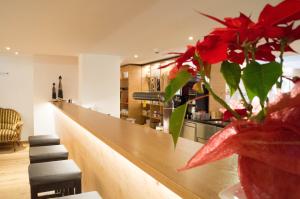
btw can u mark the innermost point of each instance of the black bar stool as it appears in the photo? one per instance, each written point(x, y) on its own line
point(47, 153)
point(43, 140)
point(61, 178)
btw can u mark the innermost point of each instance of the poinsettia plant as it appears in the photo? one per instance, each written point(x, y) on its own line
point(248, 52)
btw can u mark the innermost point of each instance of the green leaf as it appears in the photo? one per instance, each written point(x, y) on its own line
point(175, 84)
point(232, 75)
point(176, 122)
point(259, 79)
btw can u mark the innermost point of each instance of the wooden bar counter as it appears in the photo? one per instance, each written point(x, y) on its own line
point(124, 160)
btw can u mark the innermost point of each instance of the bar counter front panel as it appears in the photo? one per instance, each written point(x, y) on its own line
point(123, 160)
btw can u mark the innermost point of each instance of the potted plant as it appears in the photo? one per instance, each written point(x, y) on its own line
point(268, 141)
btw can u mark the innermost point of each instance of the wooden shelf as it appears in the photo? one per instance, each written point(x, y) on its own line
point(142, 79)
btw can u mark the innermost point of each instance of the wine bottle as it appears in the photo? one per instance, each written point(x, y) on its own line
point(53, 91)
point(60, 91)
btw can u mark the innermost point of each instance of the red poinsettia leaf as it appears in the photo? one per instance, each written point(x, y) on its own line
point(174, 53)
point(294, 35)
point(197, 64)
point(212, 49)
point(236, 57)
point(264, 52)
point(173, 72)
point(289, 49)
point(276, 47)
point(294, 17)
point(284, 12)
point(213, 18)
point(166, 65)
point(239, 22)
point(273, 32)
point(193, 71)
point(225, 34)
point(186, 56)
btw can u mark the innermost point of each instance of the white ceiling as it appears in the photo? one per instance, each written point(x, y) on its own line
point(117, 27)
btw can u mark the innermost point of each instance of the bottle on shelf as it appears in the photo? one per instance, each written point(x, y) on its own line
point(53, 91)
point(60, 91)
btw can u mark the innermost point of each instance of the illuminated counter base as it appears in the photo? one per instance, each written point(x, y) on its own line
point(117, 173)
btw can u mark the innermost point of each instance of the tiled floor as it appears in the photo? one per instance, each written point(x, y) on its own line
point(14, 172)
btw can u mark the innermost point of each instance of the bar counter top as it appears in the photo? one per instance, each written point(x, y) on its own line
point(154, 153)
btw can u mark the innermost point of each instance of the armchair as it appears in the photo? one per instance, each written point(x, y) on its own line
point(10, 126)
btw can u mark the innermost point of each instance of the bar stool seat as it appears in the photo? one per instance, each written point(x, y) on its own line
point(86, 195)
point(43, 140)
point(63, 177)
point(47, 153)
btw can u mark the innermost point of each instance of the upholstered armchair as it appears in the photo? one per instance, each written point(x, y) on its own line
point(10, 126)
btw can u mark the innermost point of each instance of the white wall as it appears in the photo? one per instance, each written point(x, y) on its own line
point(47, 69)
point(99, 82)
point(28, 86)
point(16, 88)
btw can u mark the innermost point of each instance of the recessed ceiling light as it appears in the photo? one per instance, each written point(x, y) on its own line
point(7, 48)
point(16, 53)
point(191, 38)
point(135, 56)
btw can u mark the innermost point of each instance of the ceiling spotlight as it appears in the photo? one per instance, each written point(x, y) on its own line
point(16, 53)
point(191, 38)
point(135, 56)
point(7, 48)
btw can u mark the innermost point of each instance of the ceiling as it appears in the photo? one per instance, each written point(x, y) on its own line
point(114, 27)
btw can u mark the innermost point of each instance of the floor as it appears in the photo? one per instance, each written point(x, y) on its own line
point(14, 172)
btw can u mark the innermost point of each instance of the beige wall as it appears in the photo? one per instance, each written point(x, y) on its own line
point(16, 88)
point(47, 69)
point(218, 84)
point(99, 83)
point(28, 85)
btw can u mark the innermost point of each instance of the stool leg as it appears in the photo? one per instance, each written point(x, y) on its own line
point(57, 191)
point(34, 194)
point(14, 145)
point(71, 190)
point(78, 187)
